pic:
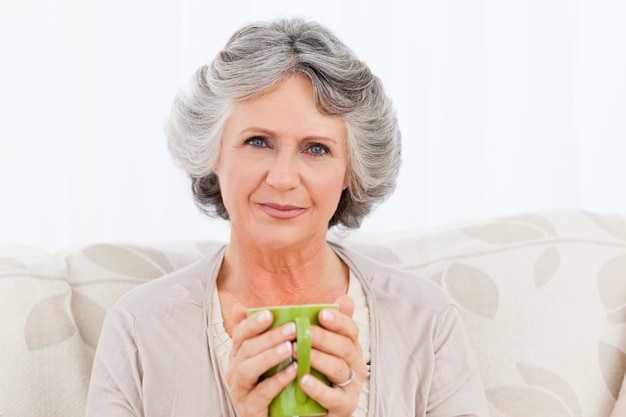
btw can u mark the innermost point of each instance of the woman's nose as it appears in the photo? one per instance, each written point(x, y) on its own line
point(283, 173)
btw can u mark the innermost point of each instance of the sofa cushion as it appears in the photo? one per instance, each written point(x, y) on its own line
point(543, 296)
point(51, 312)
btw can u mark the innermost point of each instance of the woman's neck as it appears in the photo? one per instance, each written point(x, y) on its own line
point(257, 276)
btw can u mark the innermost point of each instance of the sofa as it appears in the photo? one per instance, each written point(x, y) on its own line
point(542, 295)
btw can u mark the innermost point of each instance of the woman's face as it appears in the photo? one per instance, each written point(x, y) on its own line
point(282, 166)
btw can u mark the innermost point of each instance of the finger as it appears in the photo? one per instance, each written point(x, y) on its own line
point(337, 322)
point(270, 387)
point(239, 313)
point(334, 353)
point(335, 344)
point(335, 369)
point(248, 343)
point(346, 305)
point(336, 401)
point(248, 371)
point(249, 327)
point(256, 399)
point(336, 360)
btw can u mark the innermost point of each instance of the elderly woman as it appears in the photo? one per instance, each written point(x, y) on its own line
point(285, 135)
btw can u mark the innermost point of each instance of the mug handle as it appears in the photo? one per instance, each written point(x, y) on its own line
point(303, 338)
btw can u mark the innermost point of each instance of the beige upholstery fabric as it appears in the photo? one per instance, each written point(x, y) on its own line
point(543, 296)
point(544, 299)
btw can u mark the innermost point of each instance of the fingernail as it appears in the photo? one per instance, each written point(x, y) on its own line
point(284, 348)
point(307, 380)
point(289, 328)
point(327, 315)
point(264, 316)
point(292, 368)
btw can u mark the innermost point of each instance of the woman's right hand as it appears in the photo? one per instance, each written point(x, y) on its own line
point(254, 352)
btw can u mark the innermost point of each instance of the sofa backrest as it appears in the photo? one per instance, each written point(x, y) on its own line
point(543, 297)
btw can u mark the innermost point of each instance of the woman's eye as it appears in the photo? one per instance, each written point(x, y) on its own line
point(257, 142)
point(318, 149)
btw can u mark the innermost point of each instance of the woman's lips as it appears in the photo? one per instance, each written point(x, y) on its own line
point(280, 211)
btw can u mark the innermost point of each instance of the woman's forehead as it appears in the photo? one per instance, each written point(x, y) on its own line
point(288, 105)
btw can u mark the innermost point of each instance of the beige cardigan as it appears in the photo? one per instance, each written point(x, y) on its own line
point(155, 357)
point(620, 405)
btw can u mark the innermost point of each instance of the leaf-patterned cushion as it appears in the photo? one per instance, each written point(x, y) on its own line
point(543, 296)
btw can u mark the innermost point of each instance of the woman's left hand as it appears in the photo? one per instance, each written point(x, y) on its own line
point(336, 353)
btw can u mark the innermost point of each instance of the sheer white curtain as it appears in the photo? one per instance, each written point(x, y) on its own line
point(505, 106)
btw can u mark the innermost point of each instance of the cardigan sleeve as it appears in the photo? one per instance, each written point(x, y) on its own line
point(456, 388)
point(115, 389)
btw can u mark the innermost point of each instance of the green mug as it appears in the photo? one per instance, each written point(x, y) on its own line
point(292, 401)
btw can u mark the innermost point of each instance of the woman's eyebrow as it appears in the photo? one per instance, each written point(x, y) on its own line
point(271, 133)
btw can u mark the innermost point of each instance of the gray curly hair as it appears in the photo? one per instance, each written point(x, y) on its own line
point(255, 58)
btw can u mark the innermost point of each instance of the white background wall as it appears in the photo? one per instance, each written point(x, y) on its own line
point(505, 106)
